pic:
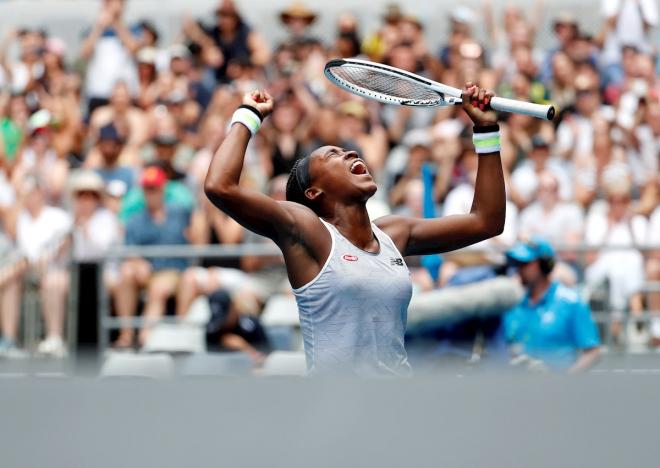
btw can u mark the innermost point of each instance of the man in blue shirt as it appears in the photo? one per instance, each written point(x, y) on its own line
point(551, 327)
point(157, 224)
point(110, 145)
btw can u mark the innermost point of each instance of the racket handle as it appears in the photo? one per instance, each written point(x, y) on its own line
point(539, 111)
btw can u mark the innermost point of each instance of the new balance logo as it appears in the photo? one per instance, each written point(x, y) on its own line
point(396, 261)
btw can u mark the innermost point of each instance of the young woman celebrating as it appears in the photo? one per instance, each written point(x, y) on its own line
point(348, 275)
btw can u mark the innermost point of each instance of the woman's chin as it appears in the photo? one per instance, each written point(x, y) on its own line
point(370, 189)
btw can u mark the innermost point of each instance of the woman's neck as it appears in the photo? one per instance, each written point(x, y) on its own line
point(353, 222)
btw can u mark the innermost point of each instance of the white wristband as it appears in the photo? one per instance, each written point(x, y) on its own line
point(485, 143)
point(248, 118)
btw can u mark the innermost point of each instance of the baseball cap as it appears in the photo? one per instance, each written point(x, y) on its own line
point(528, 251)
point(153, 177)
point(109, 132)
point(179, 51)
point(147, 55)
point(418, 137)
point(40, 120)
point(462, 14)
point(539, 141)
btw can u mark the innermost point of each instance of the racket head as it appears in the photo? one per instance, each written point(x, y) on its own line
point(388, 84)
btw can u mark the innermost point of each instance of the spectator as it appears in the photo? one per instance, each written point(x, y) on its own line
point(41, 234)
point(210, 226)
point(614, 224)
point(109, 46)
point(24, 74)
point(10, 304)
point(653, 275)
point(551, 328)
point(525, 178)
point(235, 40)
point(110, 145)
point(176, 194)
point(96, 228)
point(157, 224)
point(297, 19)
point(40, 158)
point(627, 23)
point(13, 125)
point(560, 222)
point(129, 120)
point(575, 134)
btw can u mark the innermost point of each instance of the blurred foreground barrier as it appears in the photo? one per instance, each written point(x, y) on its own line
point(453, 304)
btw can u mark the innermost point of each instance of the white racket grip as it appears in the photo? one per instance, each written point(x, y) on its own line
point(539, 111)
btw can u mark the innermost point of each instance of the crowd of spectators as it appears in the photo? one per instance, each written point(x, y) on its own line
point(116, 151)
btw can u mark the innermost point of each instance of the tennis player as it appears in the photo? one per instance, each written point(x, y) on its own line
point(348, 275)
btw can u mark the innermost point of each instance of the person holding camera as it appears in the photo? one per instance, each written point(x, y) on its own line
point(551, 328)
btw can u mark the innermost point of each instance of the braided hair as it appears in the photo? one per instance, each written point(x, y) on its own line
point(294, 189)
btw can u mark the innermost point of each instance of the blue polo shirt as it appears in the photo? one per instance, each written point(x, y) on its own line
point(142, 229)
point(554, 329)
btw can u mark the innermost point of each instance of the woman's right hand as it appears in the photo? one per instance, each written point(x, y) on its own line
point(260, 100)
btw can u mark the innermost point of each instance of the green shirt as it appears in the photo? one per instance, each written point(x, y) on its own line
point(176, 193)
point(11, 135)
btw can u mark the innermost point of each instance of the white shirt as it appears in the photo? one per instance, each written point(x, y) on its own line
point(555, 225)
point(459, 201)
point(110, 64)
point(526, 180)
point(37, 236)
point(631, 16)
point(93, 239)
point(644, 163)
point(599, 232)
point(653, 236)
point(7, 195)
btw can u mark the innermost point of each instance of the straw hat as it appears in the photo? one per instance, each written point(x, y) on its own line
point(353, 109)
point(86, 181)
point(298, 10)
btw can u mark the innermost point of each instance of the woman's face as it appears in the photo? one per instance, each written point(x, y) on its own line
point(341, 175)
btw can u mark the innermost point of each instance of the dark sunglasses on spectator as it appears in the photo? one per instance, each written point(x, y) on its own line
point(619, 200)
point(90, 193)
point(586, 92)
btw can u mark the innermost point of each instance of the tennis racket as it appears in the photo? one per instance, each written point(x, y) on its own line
point(392, 85)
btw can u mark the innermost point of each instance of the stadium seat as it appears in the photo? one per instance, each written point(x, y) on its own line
point(280, 310)
point(175, 338)
point(153, 366)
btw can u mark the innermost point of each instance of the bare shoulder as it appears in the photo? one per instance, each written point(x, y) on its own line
point(397, 227)
point(308, 227)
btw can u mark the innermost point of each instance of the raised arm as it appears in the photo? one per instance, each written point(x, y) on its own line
point(415, 236)
point(252, 209)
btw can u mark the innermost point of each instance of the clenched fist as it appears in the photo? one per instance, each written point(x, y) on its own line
point(260, 100)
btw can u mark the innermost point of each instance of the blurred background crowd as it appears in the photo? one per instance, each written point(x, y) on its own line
point(106, 142)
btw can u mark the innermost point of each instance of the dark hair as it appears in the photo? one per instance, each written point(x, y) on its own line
point(294, 189)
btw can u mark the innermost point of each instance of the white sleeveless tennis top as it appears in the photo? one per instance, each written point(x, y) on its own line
point(353, 314)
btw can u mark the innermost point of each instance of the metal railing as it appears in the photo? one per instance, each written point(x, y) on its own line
point(107, 323)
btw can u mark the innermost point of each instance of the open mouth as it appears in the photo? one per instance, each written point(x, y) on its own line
point(359, 167)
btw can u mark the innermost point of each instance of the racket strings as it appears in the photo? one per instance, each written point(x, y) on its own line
point(383, 83)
